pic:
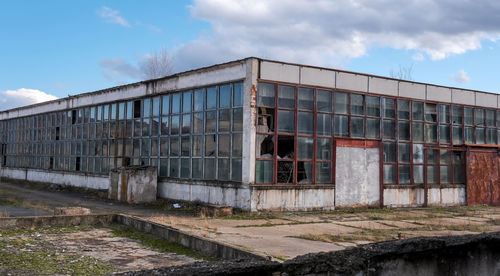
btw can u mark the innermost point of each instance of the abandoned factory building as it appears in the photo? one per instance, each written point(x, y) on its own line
point(266, 135)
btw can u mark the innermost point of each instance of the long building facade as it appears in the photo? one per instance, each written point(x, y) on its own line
point(266, 135)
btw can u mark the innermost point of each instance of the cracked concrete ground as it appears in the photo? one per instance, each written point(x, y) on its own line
point(284, 235)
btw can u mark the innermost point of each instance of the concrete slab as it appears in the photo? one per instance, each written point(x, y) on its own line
point(366, 225)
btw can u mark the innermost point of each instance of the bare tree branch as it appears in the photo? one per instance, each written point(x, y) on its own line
point(157, 64)
point(403, 73)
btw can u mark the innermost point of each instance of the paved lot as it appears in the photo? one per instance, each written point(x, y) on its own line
point(281, 235)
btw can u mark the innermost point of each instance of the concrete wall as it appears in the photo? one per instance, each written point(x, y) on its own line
point(446, 196)
point(226, 194)
point(403, 197)
point(292, 198)
point(133, 184)
point(330, 78)
point(81, 180)
point(357, 177)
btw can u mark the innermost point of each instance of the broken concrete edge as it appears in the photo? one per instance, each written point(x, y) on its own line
point(100, 193)
point(203, 246)
point(369, 259)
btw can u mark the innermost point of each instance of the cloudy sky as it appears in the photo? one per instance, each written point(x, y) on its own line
point(53, 48)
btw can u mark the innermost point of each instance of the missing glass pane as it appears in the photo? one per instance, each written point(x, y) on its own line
point(266, 120)
point(286, 147)
point(265, 146)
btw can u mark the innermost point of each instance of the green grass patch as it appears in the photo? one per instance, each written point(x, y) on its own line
point(155, 243)
point(50, 263)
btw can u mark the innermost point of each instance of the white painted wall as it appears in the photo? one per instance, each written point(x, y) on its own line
point(292, 199)
point(404, 197)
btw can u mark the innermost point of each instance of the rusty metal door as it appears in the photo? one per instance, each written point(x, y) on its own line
point(483, 177)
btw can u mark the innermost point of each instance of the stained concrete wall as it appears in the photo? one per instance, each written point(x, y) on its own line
point(133, 184)
point(292, 199)
point(446, 196)
point(404, 197)
point(226, 194)
point(357, 177)
point(81, 180)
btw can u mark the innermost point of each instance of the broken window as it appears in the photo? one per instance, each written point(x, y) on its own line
point(430, 133)
point(265, 94)
point(305, 147)
point(286, 147)
point(430, 112)
point(285, 172)
point(304, 172)
point(137, 109)
point(266, 120)
point(265, 146)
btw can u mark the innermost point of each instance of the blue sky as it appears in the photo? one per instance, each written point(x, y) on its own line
point(54, 48)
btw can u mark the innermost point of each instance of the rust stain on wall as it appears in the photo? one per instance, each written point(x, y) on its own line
point(253, 105)
point(483, 181)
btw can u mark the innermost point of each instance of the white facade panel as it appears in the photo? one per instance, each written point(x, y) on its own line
point(486, 100)
point(352, 81)
point(412, 90)
point(279, 72)
point(317, 77)
point(437, 93)
point(293, 199)
point(383, 86)
point(460, 96)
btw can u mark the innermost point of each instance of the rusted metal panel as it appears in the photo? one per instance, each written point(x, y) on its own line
point(483, 183)
point(351, 143)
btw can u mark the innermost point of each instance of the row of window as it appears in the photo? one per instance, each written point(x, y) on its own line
point(296, 124)
point(191, 134)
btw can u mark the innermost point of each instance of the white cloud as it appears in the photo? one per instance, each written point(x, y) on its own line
point(112, 16)
point(460, 77)
point(23, 96)
point(119, 70)
point(418, 57)
point(327, 33)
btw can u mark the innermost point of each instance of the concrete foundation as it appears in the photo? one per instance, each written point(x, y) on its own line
point(293, 199)
point(81, 180)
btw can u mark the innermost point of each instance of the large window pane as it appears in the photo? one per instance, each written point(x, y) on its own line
point(224, 145)
point(306, 98)
point(174, 125)
point(225, 96)
point(445, 174)
point(357, 127)
point(418, 153)
point(223, 169)
point(211, 121)
point(286, 96)
point(176, 103)
point(444, 113)
point(418, 132)
point(341, 126)
point(468, 117)
point(199, 96)
point(304, 172)
point(198, 122)
point(210, 144)
point(323, 149)
point(324, 101)
point(404, 174)
point(444, 134)
point(285, 172)
point(389, 129)
point(432, 174)
point(323, 172)
point(186, 101)
point(174, 146)
point(341, 102)
point(197, 168)
point(389, 174)
point(457, 135)
point(264, 171)
point(418, 174)
point(469, 135)
point(404, 130)
point(305, 147)
point(444, 157)
point(324, 124)
point(185, 145)
point(224, 120)
point(286, 121)
point(388, 108)
point(305, 122)
point(185, 168)
point(372, 128)
point(458, 174)
point(286, 149)
point(389, 152)
point(165, 106)
point(490, 117)
point(418, 111)
point(479, 116)
point(491, 136)
point(403, 109)
point(209, 168)
point(237, 119)
point(430, 133)
point(211, 97)
point(186, 123)
point(174, 168)
point(432, 156)
point(372, 106)
point(404, 152)
point(265, 146)
point(480, 135)
point(238, 94)
point(236, 169)
point(197, 145)
point(357, 105)
point(430, 112)
point(237, 145)
point(456, 115)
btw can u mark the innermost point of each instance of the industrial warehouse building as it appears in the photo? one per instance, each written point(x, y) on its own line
point(265, 135)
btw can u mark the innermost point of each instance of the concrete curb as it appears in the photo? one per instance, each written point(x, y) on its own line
point(203, 246)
